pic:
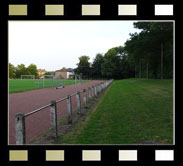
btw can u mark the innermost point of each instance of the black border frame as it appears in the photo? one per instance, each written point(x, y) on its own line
point(73, 153)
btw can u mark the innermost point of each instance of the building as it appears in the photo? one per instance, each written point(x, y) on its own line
point(70, 73)
point(64, 73)
point(41, 71)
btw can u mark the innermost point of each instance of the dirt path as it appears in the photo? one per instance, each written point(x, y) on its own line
point(28, 101)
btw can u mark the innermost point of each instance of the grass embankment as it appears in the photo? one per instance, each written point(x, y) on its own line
point(18, 85)
point(133, 111)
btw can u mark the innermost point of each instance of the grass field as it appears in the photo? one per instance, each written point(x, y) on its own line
point(132, 111)
point(18, 85)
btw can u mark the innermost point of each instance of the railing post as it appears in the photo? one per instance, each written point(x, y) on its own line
point(78, 102)
point(20, 128)
point(53, 117)
point(95, 91)
point(69, 109)
point(100, 87)
point(89, 93)
point(92, 91)
point(84, 98)
point(98, 91)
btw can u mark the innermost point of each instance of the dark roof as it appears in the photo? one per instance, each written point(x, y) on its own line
point(62, 70)
point(70, 70)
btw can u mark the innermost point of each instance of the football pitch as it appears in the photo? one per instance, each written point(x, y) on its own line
point(18, 85)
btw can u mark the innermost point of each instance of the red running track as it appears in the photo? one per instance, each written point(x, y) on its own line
point(28, 101)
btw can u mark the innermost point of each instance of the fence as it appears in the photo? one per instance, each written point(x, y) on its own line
point(20, 118)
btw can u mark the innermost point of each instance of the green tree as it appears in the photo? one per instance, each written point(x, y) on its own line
point(11, 71)
point(151, 50)
point(112, 66)
point(83, 67)
point(97, 65)
point(32, 70)
point(47, 73)
point(20, 70)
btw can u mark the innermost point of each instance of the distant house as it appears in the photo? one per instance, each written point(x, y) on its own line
point(41, 71)
point(64, 73)
point(70, 73)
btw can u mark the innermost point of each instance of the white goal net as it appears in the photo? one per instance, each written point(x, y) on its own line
point(27, 77)
point(48, 80)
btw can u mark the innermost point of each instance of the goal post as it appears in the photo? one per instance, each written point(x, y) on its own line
point(28, 77)
point(78, 79)
point(58, 81)
point(48, 77)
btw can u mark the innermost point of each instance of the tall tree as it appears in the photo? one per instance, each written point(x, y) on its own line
point(32, 70)
point(83, 67)
point(115, 64)
point(97, 65)
point(111, 65)
point(20, 70)
point(145, 49)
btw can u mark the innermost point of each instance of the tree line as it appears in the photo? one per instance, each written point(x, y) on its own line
point(147, 54)
point(17, 71)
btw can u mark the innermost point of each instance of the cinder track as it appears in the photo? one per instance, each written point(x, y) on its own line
point(28, 101)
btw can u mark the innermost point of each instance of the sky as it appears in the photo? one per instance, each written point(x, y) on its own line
point(52, 45)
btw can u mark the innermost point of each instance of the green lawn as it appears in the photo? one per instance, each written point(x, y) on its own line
point(132, 111)
point(18, 85)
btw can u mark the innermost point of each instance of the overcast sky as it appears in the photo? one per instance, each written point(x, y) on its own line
point(52, 45)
